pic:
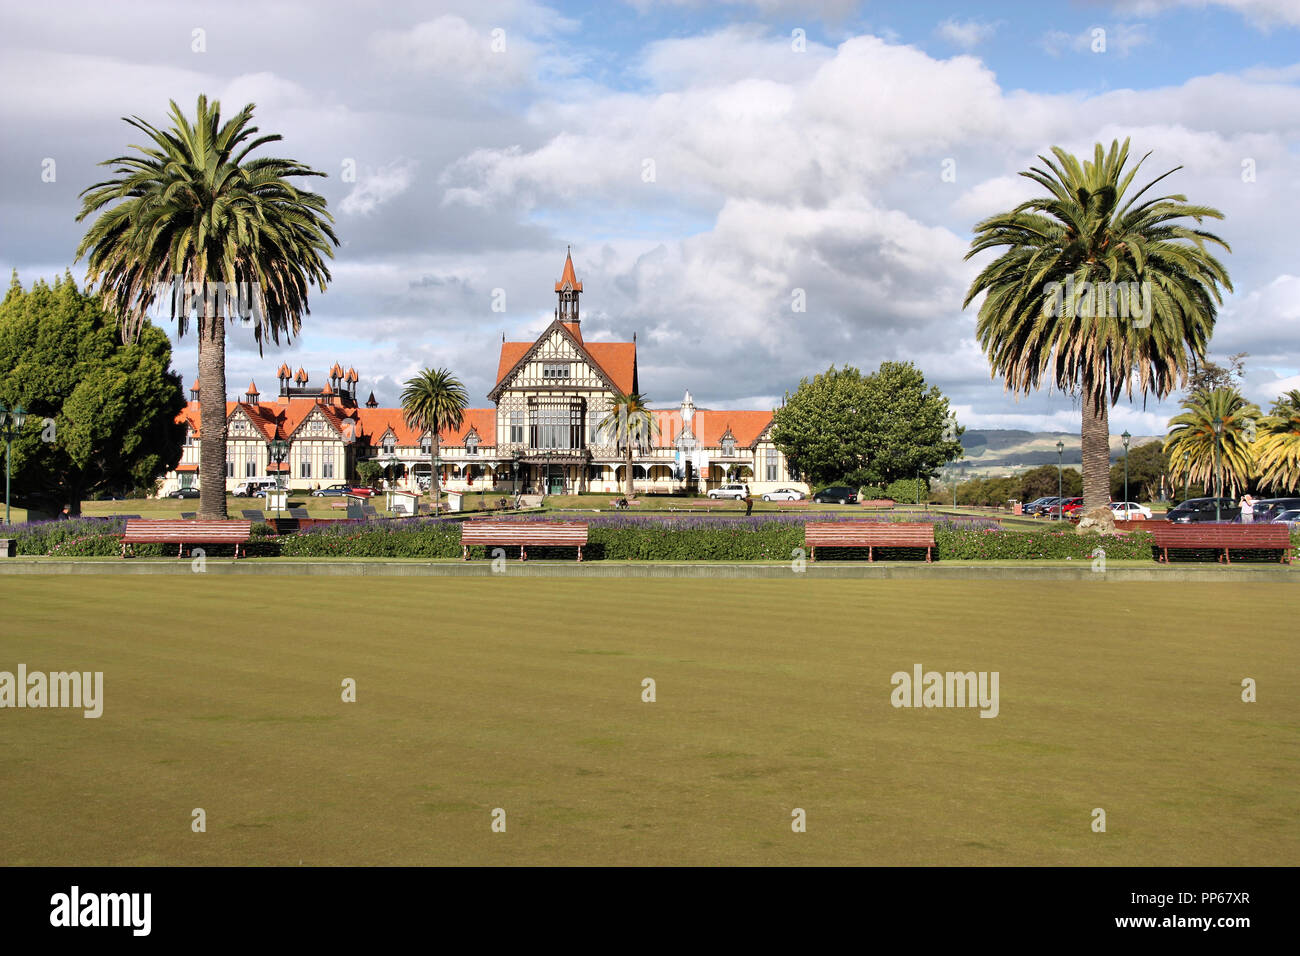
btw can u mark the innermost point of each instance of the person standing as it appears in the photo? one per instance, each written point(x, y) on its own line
point(1247, 504)
point(749, 503)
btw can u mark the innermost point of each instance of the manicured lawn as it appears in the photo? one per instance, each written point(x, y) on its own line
point(525, 694)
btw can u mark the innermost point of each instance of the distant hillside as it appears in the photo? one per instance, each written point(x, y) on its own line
point(1007, 450)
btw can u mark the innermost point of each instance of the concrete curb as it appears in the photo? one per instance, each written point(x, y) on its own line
point(572, 569)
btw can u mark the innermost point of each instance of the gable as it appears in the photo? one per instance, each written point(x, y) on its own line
point(592, 364)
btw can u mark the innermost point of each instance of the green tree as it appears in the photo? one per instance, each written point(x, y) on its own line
point(843, 426)
point(1223, 461)
point(1043, 481)
point(1148, 472)
point(368, 472)
point(434, 400)
point(102, 415)
point(1278, 445)
point(193, 222)
point(630, 422)
point(1100, 245)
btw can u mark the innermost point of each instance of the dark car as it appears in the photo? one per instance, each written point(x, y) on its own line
point(1266, 509)
point(184, 493)
point(1039, 506)
point(836, 494)
point(1202, 509)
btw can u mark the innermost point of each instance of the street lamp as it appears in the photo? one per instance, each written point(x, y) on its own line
point(1060, 490)
point(277, 451)
point(1126, 436)
point(11, 419)
point(1218, 475)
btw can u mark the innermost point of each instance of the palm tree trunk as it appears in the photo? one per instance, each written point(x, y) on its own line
point(434, 487)
point(1095, 441)
point(212, 417)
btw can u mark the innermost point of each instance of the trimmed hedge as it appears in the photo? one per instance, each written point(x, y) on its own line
point(756, 538)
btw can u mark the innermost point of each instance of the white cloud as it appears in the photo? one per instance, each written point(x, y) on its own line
point(1262, 13)
point(966, 34)
point(374, 188)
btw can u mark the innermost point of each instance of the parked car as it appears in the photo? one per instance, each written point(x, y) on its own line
point(255, 487)
point(836, 494)
point(737, 491)
point(1202, 509)
point(784, 494)
point(359, 491)
point(1039, 506)
point(1065, 507)
point(1291, 518)
point(1266, 509)
point(332, 491)
point(184, 493)
point(1130, 511)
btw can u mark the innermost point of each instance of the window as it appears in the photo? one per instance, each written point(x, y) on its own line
point(250, 469)
point(593, 429)
point(728, 444)
point(556, 425)
point(471, 443)
point(189, 437)
point(517, 428)
point(230, 468)
point(426, 446)
point(772, 469)
point(327, 469)
point(304, 469)
point(388, 444)
point(555, 370)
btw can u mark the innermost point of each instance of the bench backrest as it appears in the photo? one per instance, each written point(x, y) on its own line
point(864, 533)
point(1222, 535)
point(175, 531)
point(523, 532)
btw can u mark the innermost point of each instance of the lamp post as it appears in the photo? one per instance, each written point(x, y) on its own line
point(1218, 475)
point(1060, 488)
point(277, 451)
point(1126, 437)
point(11, 419)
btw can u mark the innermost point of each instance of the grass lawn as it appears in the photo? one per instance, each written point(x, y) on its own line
point(525, 694)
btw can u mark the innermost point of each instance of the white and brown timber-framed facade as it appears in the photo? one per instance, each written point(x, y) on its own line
point(541, 436)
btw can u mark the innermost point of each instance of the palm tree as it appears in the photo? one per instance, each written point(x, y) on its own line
point(434, 400)
point(1087, 231)
point(191, 212)
point(630, 422)
point(1226, 458)
point(1277, 449)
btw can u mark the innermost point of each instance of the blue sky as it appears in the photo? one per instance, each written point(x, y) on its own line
point(776, 168)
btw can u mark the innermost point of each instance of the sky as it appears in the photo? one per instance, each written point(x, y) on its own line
point(712, 166)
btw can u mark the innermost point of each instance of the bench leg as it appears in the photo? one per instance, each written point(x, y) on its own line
point(927, 554)
point(1227, 556)
point(180, 552)
point(464, 552)
point(871, 553)
point(579, 553)
point(523, 552)
point(812, 554)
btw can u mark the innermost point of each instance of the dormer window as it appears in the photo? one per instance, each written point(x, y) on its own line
point(728, 444)
point(426, 445)
point(472, 442)
point(388, 444)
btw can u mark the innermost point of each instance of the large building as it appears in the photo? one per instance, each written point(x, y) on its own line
point(542, 435)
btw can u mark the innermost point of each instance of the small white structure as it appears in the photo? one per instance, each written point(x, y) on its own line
point(454, 500)
point(403, 502)
point(277, 500)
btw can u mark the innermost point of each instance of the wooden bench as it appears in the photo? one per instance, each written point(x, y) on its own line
point(1222, 537)
point(869, 535)
point(181, 533)
point(562, 534)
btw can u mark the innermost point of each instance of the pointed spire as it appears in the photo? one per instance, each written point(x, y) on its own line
point(301, 377)
point(370, 402)
point(352, 375)
point(568, 279)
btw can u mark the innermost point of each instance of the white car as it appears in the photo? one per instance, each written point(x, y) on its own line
point(739, 492)
point(1130, 511)
point(784, 494)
